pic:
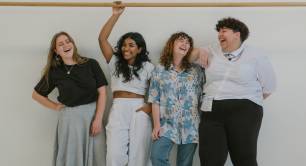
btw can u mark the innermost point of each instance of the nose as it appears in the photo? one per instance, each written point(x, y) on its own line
point(124, 49)
point(185, 43)
point(65, 46)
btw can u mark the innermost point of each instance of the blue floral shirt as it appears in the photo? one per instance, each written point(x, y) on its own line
point(178, 96)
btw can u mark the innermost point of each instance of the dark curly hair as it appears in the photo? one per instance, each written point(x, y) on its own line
point(167, 53)
point(234, 24)
point(122, 66)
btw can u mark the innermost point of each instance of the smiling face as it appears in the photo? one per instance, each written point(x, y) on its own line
point(181, 46)
point(228, 39)
point(130, 50)
point(64, 47)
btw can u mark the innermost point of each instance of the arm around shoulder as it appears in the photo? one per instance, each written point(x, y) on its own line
point(199, 56)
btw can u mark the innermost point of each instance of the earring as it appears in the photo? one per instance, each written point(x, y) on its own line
point(57, 58)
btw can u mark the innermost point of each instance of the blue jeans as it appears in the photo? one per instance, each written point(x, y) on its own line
point(161, 149)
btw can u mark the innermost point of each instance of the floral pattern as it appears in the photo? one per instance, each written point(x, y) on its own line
point(178, 95)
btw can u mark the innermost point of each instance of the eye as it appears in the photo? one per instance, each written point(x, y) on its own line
point(132, 45)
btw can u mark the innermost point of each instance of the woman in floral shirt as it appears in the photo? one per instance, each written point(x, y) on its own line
point(175, 92)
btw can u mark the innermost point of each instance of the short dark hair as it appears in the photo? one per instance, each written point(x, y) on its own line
point(234, 24)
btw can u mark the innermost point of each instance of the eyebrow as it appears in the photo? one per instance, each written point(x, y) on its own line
point(130, 43)
point(184, 38)
point(62, 42)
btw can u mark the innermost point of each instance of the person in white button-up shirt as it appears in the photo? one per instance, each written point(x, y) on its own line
point(238, 79)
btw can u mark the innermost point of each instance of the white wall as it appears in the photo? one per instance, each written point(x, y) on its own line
point(27, 129)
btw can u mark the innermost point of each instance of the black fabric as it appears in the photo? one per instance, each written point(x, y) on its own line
point(232, 127)
point(77, 88)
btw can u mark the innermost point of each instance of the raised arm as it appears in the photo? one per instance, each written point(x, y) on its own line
point(106, 30)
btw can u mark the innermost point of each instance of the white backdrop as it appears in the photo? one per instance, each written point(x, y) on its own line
point(27, 129)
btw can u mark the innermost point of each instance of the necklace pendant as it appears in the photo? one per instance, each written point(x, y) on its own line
point(68, 71)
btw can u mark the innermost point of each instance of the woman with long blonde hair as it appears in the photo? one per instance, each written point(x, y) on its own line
point(81, 83)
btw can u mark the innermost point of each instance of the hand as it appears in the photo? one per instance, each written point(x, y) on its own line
point(203, 58)
point(118, 8)
point(59, 106)
point(156, 133)
point(96, 127)
point(199, 56)
point(147, 108)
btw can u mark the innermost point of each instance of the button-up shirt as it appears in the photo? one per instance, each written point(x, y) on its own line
point(248, 77)
point(178, 96)
point(235, 55)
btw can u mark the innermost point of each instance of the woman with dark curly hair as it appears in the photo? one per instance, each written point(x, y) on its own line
point(174, 92)
point(129, 126)
point(239, 78)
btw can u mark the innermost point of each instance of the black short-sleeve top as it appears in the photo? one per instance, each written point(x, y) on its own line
point(76, 88)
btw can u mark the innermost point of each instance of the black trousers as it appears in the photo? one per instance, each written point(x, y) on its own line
point(231, 127)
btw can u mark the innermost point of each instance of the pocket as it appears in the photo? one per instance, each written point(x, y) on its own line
point(143, 114)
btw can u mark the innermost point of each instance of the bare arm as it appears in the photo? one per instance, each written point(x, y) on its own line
point(106, 30)
point(96, 126)
point(147, 108)
point(156, 121)
point(199, 56)
point(194, 55)
point(47, 102)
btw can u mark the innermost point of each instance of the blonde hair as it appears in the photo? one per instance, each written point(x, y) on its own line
point(55, 60)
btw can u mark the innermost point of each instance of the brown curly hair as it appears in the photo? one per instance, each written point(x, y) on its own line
point(167, 53)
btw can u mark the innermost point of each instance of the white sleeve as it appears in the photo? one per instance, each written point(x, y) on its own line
point(149, 67)
point(266, 74)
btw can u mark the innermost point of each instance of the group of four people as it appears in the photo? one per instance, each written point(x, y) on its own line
point(238, 78)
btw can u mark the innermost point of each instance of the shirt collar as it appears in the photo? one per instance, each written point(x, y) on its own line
point(172, 69)
point(236, 52)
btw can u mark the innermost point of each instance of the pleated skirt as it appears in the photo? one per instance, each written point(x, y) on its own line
point(73, 144)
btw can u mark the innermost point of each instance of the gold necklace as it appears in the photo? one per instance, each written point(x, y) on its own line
point(68, 71)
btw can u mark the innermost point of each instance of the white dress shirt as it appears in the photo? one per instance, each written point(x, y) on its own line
point(248, 75)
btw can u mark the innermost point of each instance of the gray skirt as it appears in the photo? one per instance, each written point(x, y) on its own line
point(73, 144)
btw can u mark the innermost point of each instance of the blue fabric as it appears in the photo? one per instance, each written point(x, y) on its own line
point(178, 95)
point(162, 147)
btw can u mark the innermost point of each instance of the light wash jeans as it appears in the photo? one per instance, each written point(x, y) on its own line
point(161, 149)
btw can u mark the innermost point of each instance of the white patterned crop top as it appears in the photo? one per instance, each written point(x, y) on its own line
point(135, 85)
